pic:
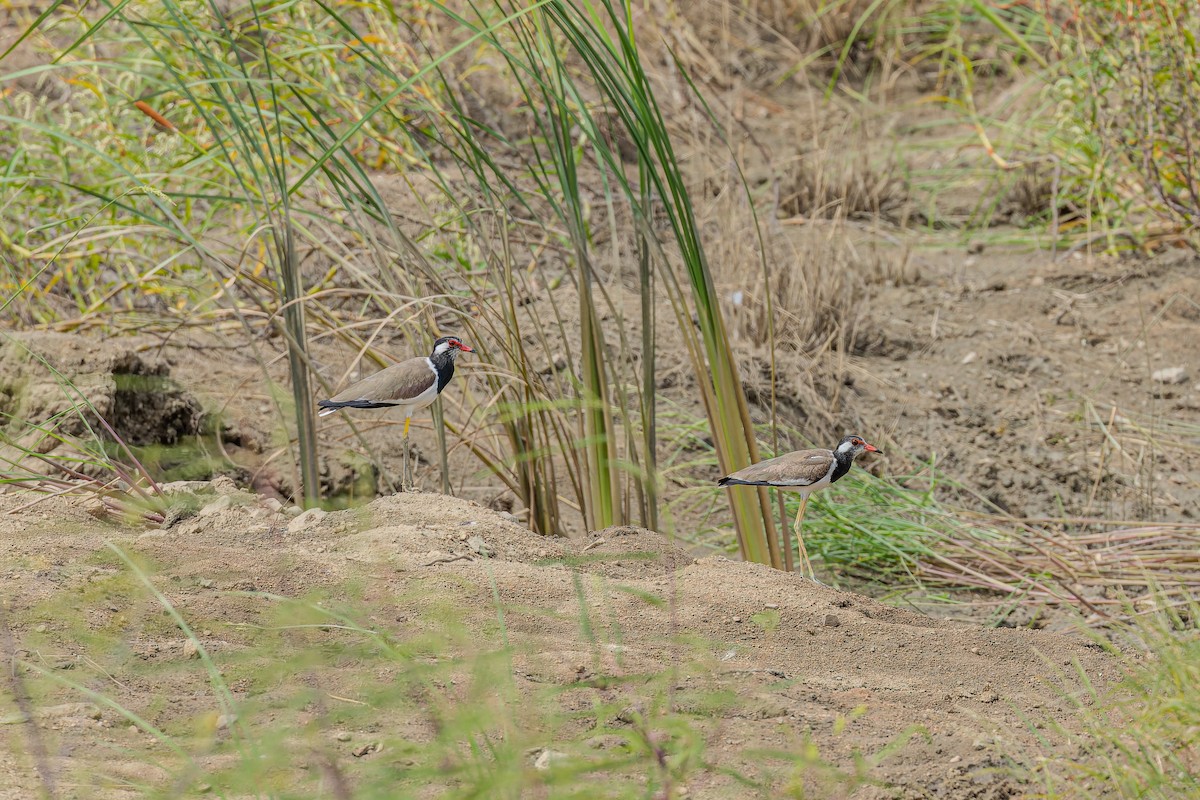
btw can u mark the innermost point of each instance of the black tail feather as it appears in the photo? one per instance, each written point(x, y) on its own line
point(330, 404)
point(729, 480)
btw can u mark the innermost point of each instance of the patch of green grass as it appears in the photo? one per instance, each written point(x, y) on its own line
point(191, 459)
point(879, 530)
point(1139, 737)
point(1084, 142)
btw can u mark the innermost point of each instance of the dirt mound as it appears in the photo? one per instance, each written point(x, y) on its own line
point(626, 551)
point(786, 658)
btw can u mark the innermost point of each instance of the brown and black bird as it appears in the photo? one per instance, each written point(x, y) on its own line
point(411, 385)
point(803, 471)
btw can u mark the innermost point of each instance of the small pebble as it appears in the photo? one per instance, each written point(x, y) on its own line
point(342, 736)
point(547, 759)
point(307, 519)
point(831, 621)
point(216, 506)
point(223, 484)
point(1170, 375)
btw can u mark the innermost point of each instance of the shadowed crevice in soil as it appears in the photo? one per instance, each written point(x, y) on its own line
point(65, 383)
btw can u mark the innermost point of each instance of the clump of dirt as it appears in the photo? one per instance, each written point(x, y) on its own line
point(67, 383)
point(790, 657)
point(147, 407)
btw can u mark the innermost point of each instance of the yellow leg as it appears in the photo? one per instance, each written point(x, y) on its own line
point(406, 479)
point(805, 564)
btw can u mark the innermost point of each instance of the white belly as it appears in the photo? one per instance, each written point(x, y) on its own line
point(423, 400)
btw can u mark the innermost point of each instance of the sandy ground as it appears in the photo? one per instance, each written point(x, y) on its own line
point(1034, 381)
point(991, 363)
point(957, 704)
point(1040, 383)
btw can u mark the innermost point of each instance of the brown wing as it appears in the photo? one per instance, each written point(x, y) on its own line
point(800, 468)
point(397, 383)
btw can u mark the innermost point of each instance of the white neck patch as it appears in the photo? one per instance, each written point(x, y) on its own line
point(845, 447)
point(441, 348)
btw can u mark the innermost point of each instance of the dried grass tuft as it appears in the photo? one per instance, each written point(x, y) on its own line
point(829, 181)
point(821, 275)
point(764, 43)
point(1103, 573)
point(868, 30)
point(797, 331)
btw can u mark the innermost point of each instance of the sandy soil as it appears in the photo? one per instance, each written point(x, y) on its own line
point(959, 704)
point(989, 362)
point(1034, 382)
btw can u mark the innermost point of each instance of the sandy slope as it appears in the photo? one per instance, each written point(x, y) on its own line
point(971, 692)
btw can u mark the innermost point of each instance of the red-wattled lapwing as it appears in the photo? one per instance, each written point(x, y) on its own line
point(411, 385)
point(803, 471)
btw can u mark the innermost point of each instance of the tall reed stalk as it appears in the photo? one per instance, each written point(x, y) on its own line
point(279, 122)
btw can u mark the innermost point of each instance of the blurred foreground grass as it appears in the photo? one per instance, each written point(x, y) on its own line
point(354, 693)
